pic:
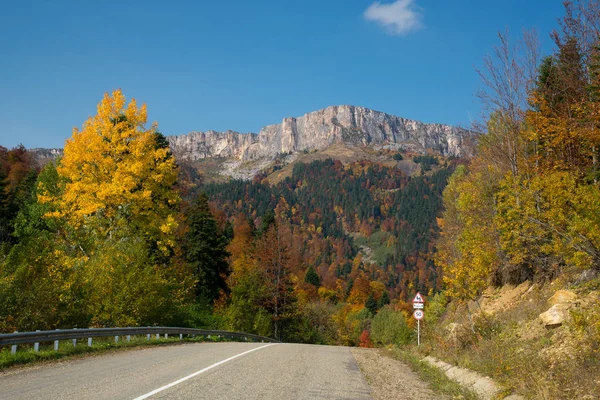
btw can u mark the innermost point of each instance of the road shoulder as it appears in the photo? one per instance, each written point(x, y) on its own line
point(390, 379)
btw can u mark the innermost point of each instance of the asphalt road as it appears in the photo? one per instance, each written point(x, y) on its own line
point(196, 371)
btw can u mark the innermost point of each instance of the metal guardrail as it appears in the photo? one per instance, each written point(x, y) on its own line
point(37, 337)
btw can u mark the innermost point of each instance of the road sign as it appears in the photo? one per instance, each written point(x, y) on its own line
point(418, 298)
point(418, 314)
point(418, 306)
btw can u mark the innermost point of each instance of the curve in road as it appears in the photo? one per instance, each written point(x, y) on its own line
point(196, 371)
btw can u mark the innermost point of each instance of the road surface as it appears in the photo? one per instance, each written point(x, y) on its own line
point(196, 371)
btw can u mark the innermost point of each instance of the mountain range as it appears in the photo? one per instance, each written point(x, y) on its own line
point(344, 125)
point(320, 129)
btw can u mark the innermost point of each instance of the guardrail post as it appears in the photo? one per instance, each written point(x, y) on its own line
point(180, 336)
point(148, 337)
point(89, 342)
point(36, 345)
point(157, 336)
point(166, 335)
point(56, 343)
point(13, 348)
point(128, 338)
point(117, 339)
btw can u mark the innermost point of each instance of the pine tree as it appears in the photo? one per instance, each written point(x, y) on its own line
point(205, 250)
point(371, 304)
point(312, 277)
point(385, 299)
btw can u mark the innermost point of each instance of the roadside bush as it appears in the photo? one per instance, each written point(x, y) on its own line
point(389, 327)
point(355, 323)
point(435, 308)
point(365, 340)
point(317, 324)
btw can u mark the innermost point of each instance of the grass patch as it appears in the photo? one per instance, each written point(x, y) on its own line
point(26, 354)
point(437, 380)
point(378, 243)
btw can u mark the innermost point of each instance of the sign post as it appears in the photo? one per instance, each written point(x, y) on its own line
point(418, 305)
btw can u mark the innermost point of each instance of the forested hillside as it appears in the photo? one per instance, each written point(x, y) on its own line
point(337, 209)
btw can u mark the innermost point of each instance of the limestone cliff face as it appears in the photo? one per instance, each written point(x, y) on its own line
point(198, 145)
point(318, 130)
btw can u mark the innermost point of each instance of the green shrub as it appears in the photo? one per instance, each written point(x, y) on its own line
point(389, 327)
point(435, 308)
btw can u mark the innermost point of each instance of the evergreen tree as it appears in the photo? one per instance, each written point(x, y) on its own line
point(371, 304)
point(267, 220)
point(385, 299)
point(312, 277)
point(5, 229)
point(205, 250)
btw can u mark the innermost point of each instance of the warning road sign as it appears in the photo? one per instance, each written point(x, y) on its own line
point(418, 314)
point(418, 298)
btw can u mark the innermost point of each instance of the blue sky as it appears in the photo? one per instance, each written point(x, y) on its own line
point(240, 65)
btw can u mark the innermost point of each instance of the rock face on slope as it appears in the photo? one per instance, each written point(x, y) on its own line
point(42, 156)
point(318, 130)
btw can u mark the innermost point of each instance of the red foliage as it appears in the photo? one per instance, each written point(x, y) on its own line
point(365, 339)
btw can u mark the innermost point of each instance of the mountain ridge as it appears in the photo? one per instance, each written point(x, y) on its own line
point(319, 129)
point(349, 125)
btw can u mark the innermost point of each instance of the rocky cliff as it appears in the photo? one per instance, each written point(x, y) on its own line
point(42, 156)
point(318, 130)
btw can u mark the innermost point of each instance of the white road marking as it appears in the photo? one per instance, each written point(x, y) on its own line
point(185, 378)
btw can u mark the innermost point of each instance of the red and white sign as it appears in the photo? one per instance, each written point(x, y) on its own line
point(418, 314)
point(418, 298)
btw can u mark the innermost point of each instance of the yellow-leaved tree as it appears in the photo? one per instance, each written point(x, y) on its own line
point(118, 178)
point(117, 203)
point(468, 249)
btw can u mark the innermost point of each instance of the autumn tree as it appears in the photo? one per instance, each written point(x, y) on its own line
point(118, 178)
point(274, 258)
point(468, 249)
point(40, 288)
point(525, 207)
point(5, 230)
point(115, 202)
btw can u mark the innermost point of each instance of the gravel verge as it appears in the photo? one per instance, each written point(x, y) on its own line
point(391, 379)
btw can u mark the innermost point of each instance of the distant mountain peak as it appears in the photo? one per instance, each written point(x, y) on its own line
point(319, 129)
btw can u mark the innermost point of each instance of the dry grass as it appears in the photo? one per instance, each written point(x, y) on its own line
point(517, 351)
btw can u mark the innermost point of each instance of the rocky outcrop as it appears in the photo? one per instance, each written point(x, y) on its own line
point(320, 129)
point(43, 156)
point(562, 297)
point(562, 301)
point(198, 145)
point(555, 316)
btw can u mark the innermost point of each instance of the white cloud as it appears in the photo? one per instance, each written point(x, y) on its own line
point(398, 18)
